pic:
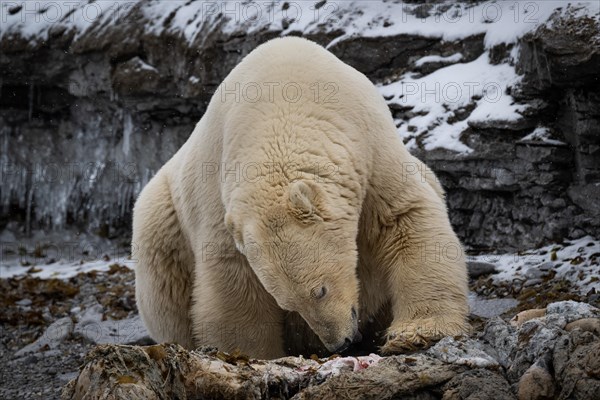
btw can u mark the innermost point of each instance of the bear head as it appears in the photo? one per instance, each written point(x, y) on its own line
point(305, 256)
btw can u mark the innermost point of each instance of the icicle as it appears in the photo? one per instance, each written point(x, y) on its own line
point(31, 92)
point(29, 206)
point(5, 135)
point(127, 130)
point(7, 186)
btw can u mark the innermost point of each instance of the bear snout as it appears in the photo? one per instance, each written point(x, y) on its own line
point(340, 347)
point(344, 347)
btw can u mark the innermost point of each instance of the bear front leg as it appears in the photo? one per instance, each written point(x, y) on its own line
point(233, 311)
point(165, 265)
point(424, 261)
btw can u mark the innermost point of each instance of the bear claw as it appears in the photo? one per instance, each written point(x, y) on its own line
point(409, 337)
point(402, 344)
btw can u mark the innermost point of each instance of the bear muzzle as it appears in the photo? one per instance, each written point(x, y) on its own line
point(343, 346)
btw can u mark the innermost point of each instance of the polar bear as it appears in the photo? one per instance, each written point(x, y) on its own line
point(294, 193)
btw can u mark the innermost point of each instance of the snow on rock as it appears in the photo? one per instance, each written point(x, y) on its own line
point(500, 22)
point(577, 261)
point(37, 20)
point(62, 269)
point(137, 64)
point(542, 134)
point(437, 98)
point(439, 59)
point(455, 86)
point(61, 255)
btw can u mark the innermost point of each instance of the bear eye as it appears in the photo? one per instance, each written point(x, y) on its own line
point(319, 293)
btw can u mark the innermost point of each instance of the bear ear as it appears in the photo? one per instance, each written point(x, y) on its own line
point(303, 199)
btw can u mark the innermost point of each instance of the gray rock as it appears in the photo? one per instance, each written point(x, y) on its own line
point(479, 268)
point(564, 312)
point(467, 352)
point(51, 353)
point(488, 308)
point(24, 302)
point(65, 377)
point(536, 383)
point(501, 338)
point(534, 341)
point(52, 337)
point(89, 325)
point(534, 273)
point(125, 331)
point(533, 282)
point(547, 266)
point(576, 365)
point(478, 384)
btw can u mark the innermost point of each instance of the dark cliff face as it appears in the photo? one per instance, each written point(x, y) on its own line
point(514, 191)
point(88, 116)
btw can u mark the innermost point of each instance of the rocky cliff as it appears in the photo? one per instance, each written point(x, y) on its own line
point(502, 101)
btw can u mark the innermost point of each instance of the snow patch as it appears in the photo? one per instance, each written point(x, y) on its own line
point(437, 98)
point(499, 21)
point(143, 66)
point(543, 135)
point(439, 59)
point(61, 269)
point(576, 261)
point(34, 20)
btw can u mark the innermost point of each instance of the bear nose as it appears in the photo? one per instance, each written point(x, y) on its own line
point(357, 337)
point(344, 347)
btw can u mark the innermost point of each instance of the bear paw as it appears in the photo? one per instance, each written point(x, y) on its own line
point(416, 335)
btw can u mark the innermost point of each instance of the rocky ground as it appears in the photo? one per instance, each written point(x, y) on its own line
point(49, 325)
point(543, 354)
